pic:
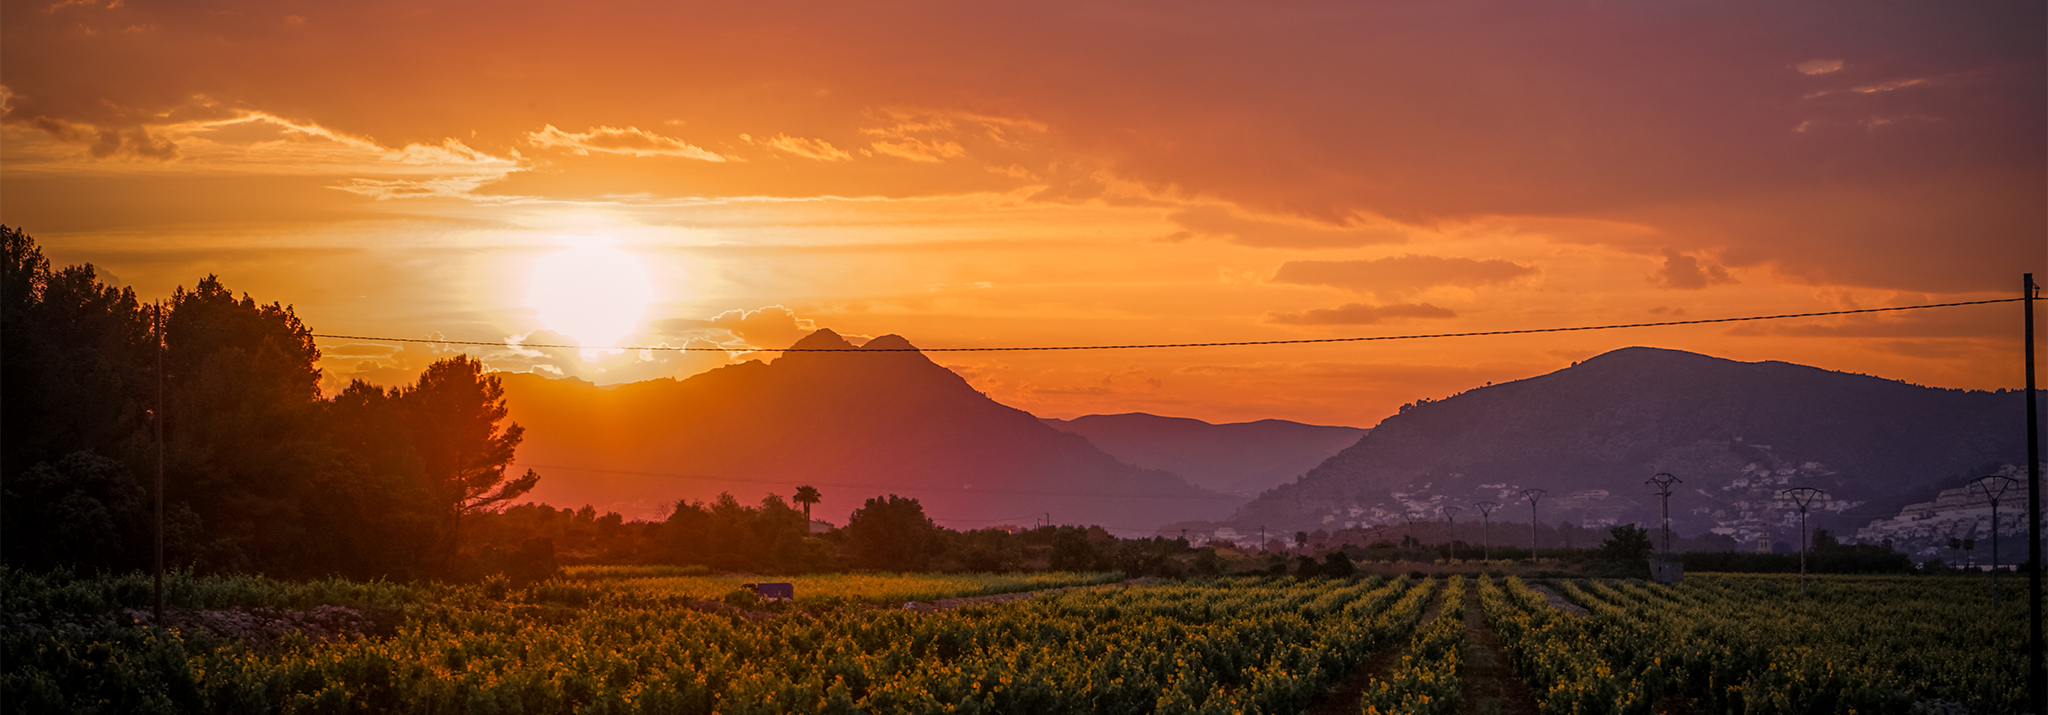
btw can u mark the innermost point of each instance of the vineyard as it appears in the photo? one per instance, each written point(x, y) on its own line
point(830, 588)
point(1240, 645)
point(1754, 644)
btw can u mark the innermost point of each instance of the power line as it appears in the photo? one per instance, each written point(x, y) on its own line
point(1151, 346)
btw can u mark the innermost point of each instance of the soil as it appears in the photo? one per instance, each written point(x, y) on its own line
point(1488, 684)
point(1558, 601)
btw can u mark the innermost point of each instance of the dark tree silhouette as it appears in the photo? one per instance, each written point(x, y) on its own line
point(890, 533)
point(456, 409)
point(807, 495)
point(242, 426)
point(1628, 548)
point(85, 510)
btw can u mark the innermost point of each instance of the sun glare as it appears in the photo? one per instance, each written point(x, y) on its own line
point(594, 294)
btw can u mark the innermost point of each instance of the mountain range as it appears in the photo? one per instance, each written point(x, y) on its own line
point(854, 422)
point(1736, 434)
point(1242, 458)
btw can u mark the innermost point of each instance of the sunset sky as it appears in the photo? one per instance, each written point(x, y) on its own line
point(981, 174)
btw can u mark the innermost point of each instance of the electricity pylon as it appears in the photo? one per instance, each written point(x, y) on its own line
point(1532, 495)
point(1802, 496)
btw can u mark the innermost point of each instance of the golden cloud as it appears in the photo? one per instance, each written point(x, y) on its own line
point(1401, 275)
point(818, 149)
point(1360, 314)
point(630, 141)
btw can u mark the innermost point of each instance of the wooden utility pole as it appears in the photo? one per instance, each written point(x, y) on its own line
point(2037, 675)
point(158, 609)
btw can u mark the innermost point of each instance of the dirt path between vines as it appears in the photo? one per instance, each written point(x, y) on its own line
point(1488, 684)
point(1344, 696)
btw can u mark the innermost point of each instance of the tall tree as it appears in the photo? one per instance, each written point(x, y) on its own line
point(807, 495)
point(243, 426)
point(378, 508)
point(455, 410)
point(891, 533)
point(79, 359)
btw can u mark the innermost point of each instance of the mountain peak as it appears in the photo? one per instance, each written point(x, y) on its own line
point(889, 342)
point(823, 339)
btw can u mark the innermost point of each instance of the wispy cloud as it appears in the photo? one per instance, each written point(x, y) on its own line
point(630, 141)
point(1818, 66)
point(1401, 275)
point(817, 149)
point(1221, 222)
point(1360, 314)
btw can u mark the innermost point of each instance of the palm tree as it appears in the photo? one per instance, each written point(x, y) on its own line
point(806, 495)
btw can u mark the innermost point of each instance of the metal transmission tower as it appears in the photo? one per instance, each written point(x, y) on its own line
point(1804, 497)
point(1991, 493)
point(1451, 532)
point(1486, 532)
point(1664, 482)
point(1532, 495)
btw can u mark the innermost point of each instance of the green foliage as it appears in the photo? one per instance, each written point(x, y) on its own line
point(1426, 682)
point(63, 591)
point(1229, 646)
point(729, 536)
point(1754, 644)
point(892, 534)
point(1627, 550)
point(1337, 564)
point(859, 587)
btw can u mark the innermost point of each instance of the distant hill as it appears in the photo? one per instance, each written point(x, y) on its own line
point(855, 424)
point(1736, 433)
point(1237, 458)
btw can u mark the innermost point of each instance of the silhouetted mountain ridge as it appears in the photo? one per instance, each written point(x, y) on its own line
point(1237, 458)
point(1736, 433)
point(856, 424)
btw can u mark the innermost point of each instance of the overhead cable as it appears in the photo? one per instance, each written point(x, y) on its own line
point(1153, 346)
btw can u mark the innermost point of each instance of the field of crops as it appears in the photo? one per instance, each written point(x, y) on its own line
point(1754, 644)
point(1248, 645)
point(838, 587)
point(1239, 645)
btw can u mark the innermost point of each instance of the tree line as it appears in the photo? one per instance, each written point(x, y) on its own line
point(888, 533)
point(261, 473)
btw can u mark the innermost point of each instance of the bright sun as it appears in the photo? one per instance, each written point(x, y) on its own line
point(595, 294)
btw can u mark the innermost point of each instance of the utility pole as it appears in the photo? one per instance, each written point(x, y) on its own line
point(1451, 532)
point(1532, 495)
point(158, 609)
point(1983, 486)
point(1664, 482)
point(2037, 674)
point(1262, 538)
point(1803, 496)
point(1486, 531)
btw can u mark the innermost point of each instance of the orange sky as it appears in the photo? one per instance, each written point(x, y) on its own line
point(971, 174)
